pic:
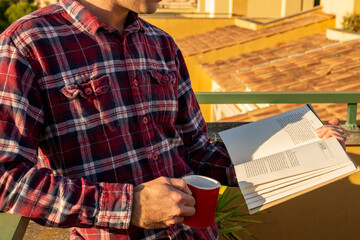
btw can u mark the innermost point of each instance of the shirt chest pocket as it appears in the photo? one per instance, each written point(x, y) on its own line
point(89, 109)
point(161, 92)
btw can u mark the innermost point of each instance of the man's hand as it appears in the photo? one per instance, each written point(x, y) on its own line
point(332, 129)
point(161, 202)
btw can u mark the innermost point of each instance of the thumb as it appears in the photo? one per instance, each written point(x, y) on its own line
point(334, 121)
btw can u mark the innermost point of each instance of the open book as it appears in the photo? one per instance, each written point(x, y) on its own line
point(281, 157)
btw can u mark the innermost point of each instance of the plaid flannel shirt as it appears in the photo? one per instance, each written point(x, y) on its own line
point(87, 113)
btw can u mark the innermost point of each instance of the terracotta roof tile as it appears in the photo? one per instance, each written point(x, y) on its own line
point(230, 35)
point(233, 71)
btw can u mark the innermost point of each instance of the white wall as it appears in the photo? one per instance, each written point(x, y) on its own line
point(217, 8)
point(290, 7)
point(340, 8)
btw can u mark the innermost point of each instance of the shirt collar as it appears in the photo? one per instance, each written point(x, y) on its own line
point(91, 24)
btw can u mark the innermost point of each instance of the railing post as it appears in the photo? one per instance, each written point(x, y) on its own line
point(12, 227)
point(351, 117)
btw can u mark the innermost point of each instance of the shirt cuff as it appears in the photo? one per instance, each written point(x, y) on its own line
point(232, 179)
point(115, 206)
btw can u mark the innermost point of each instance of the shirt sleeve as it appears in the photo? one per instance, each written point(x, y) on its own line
point(38, 193)
point(203, 156)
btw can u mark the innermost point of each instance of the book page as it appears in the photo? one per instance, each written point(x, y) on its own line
point(271, 190)
point(298, 187)
point(247, 190)
point(302, 159)
point(270, 135)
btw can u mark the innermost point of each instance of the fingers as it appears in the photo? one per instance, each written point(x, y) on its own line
point(161, 202)
point(179, 184)
point(329, 131)
point(174, 220)
point(187, 211)
point(182, 198)
point(332, 130)
point(182, 195)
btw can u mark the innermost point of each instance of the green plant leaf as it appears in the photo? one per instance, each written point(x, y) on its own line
point(243, 230)
point(234, 235)
point(226, 236)
point(230, 230)
point(222, 199)
point(228, 209)
point(225, 215)
point(233, 198)
point(231, 208)
point(244, 220)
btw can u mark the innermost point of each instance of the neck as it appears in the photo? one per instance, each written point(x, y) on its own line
point(109, 13)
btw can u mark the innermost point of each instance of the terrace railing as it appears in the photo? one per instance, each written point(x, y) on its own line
point(349, 97)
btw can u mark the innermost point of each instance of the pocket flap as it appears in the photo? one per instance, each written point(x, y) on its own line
point(89, 89)
point(163, 78)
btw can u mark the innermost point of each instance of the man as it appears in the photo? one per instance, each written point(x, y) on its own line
point(99, 123)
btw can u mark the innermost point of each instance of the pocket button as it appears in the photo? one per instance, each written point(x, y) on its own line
point(145, 120)
point(136, 83)
point(88, 91)
point(155, 157)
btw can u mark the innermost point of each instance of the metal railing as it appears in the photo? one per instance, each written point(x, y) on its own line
point(351, 98)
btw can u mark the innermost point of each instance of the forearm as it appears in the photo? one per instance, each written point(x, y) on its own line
point(58, 201)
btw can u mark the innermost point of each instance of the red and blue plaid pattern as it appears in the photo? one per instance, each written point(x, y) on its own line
point(87, 113)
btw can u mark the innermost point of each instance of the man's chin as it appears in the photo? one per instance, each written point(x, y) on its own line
point(149, 10)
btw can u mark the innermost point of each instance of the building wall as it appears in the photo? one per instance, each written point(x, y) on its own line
point(308, 4)
point(183, 27)
point(239, 7)
point(290, 7)
point(276, 8)
point(340, 8)
point(264, 8)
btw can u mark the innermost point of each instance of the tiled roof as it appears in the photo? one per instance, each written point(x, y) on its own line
point(224, 72)
point(334, 67)
point(230, 35)
point(331, 68)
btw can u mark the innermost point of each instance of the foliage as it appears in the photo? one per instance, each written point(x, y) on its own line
point(16, 11)
point(352, 22)
point(11, 10)
point(230, 220)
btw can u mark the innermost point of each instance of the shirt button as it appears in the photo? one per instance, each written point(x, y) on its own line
point(88, 91)
point(166, 78)
point(136, 83)
point(145, 120)
point(155, 157)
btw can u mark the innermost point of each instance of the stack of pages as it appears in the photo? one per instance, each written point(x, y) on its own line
point(281, 157)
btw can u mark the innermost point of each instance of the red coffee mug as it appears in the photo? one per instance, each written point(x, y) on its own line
point(205, 191)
